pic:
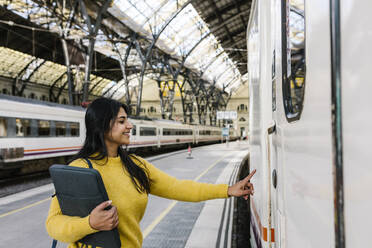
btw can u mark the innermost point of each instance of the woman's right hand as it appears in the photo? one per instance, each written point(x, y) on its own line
point(104, 220)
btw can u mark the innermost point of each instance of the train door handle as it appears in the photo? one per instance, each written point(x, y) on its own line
point(274, 178)
point(272, 128)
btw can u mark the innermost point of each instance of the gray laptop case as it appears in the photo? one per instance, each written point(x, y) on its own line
point(79, 191)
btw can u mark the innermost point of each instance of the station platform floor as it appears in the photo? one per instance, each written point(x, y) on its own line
point(166, 223)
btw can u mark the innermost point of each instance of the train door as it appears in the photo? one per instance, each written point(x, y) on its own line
point(269, 80)
point(262, 125)
point(269, 26)
point(274, 49)
point(158, 132)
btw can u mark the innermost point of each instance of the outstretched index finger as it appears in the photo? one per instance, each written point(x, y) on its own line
point(104, 205)
point(250, 175)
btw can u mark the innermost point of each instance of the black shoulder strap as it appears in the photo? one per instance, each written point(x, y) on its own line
point(89, 163)
point(54, 244)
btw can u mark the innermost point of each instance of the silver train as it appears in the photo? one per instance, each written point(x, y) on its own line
point(31, 129)
point(309, 66)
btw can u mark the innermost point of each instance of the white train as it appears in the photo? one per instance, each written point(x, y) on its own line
point(310, 135)
point(31, 129)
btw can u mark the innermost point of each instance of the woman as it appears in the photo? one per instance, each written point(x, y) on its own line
point(128, 180)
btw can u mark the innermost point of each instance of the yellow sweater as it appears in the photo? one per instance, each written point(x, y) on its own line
point(130, 203)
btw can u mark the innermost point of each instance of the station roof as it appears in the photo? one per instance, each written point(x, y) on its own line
point(208, 37)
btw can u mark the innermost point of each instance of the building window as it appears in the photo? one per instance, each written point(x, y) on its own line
point(152, 109)
point(32, 96)
point(293, 57)
point(242, 119)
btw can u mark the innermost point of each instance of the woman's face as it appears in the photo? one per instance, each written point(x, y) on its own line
point(120, 131)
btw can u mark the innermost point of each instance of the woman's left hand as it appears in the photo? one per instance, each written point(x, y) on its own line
point(242, 188)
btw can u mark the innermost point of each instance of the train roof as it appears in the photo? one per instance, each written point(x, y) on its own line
point(38, 102)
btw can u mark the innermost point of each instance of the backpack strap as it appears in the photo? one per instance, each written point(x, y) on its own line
point(54, 244)
point(89, 163)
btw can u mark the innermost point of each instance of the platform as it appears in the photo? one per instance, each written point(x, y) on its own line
point(166, 223)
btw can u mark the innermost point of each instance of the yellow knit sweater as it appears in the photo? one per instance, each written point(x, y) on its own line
point(130, 203)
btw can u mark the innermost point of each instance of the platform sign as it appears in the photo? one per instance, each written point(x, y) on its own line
point(233, 115)
point(220, 115)
point(227, 115)
point(225, 131)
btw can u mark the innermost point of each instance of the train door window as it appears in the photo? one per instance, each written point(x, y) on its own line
point(60, 128)
point(293, 57)
point(3, 127)
point(74, 129)
point(43, 128)
point(134, 131)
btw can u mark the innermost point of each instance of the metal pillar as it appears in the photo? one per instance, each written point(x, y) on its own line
point(64, 32)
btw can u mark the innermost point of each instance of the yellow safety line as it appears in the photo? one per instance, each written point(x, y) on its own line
point(28, 206)
point(169, 208)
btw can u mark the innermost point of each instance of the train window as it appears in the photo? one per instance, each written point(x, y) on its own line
point(3, 127)
point(74, 129)
point(23, 127)
point(43, 128)
point(170, 132)
point(293, 57)
point(147, 131)
point(60, 128)
point(134, 130)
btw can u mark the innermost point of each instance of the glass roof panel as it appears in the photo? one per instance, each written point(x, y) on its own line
point(148, 17)
point(180, 37)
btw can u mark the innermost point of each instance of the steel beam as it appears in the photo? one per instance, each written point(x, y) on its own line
point(148, 54)
point(92, 35)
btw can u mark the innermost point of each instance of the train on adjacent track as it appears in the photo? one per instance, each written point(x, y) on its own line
point(32, 129)
point(310, 135)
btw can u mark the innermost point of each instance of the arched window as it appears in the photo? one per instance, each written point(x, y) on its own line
point(32, 96)
point(242, 107)
point(241, 119)
point(152, 109)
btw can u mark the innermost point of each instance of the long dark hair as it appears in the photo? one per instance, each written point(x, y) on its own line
point(99, 119)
